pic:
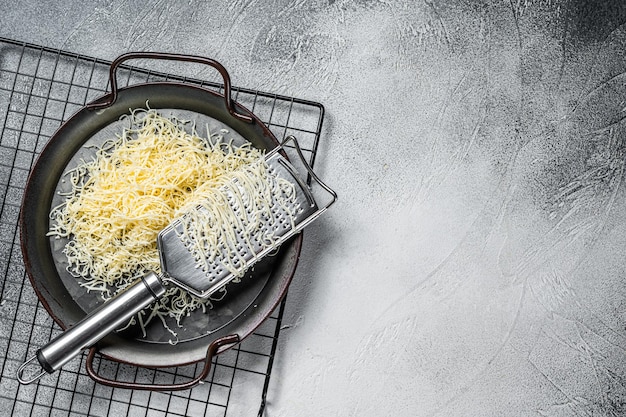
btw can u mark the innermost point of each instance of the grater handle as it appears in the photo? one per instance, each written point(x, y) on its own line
point(97, 324)
point(170, 57)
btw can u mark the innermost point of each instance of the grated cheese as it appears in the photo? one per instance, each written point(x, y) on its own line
point(135, 186)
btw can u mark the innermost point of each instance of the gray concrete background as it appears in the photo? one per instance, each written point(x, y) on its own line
point(473, 265)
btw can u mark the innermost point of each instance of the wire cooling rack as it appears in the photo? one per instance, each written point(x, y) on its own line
point(40, 88)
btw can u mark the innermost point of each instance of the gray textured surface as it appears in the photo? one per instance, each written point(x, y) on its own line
point(474, 262)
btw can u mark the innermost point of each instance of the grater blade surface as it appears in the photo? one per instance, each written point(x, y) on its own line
point(202, 277)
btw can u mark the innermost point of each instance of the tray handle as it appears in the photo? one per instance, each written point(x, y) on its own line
point(211, 352)
point(112, 97)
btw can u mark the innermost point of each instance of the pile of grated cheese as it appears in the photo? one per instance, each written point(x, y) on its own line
point(134, 187)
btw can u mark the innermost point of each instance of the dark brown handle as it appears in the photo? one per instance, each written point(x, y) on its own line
point(211, 351)
point(170, 57)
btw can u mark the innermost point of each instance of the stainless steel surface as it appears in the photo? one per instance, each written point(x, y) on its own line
point(289, 217)
point(108, 317)
point(112, 315)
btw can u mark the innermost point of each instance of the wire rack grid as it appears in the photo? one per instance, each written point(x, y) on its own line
point(40, 88)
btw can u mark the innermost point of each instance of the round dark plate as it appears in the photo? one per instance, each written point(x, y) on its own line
point(244, 307)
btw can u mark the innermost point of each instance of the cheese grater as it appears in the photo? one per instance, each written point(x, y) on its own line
point(182, 266)
point(203, 276)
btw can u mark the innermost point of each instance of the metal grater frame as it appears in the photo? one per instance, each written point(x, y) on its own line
point(303, 209)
